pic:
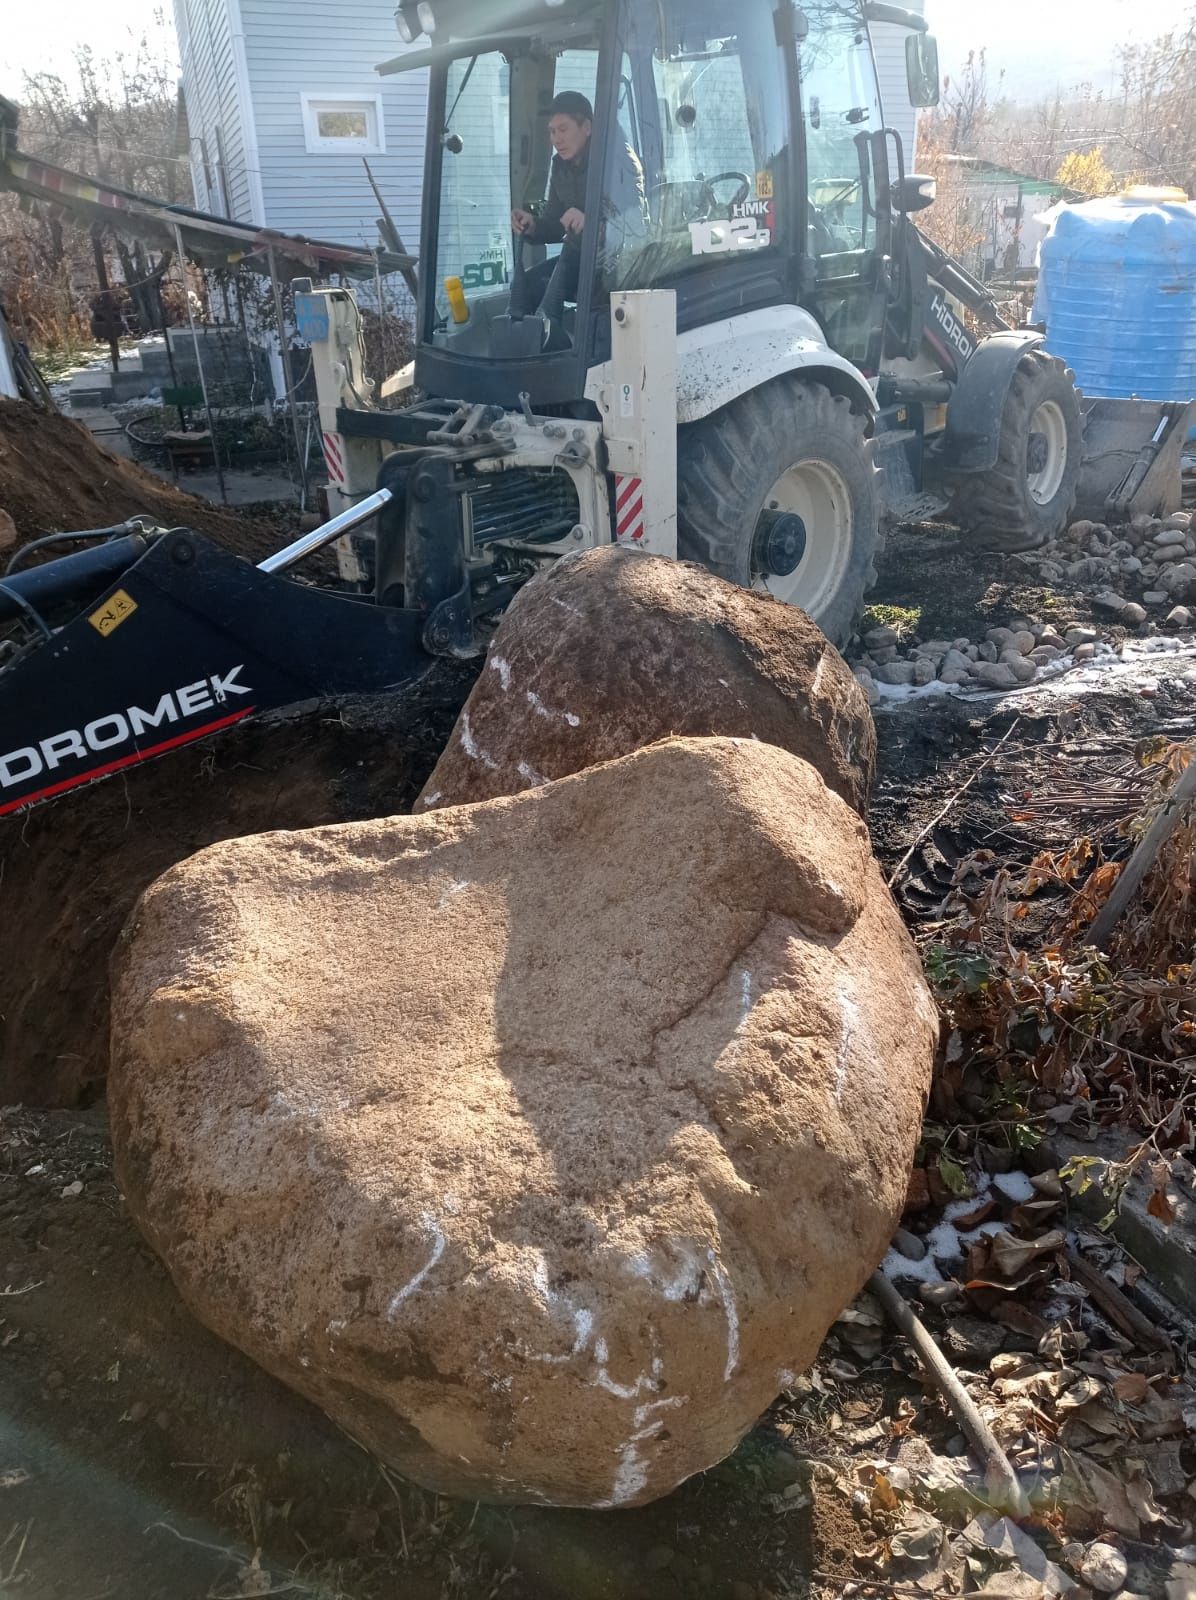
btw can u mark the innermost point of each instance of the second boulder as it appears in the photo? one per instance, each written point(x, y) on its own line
point(612, 650)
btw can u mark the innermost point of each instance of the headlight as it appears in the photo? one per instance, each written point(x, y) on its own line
point(406, 31)
point(427, 17)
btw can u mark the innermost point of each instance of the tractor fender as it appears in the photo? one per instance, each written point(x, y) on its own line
point(723, 360)
point(973, 438)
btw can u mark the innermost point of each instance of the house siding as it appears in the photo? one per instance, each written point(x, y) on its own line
point(888, 41)
point(309, 47)
point(214, 117)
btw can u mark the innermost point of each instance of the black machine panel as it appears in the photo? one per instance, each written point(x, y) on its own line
point(188, 641)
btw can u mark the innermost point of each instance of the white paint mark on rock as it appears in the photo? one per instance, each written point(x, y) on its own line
point(730, 1311)
point(530, 775)
point(470, 745)
point(631, 1475)
point(503, 667)
point(850, 1013)
point(438, 1247)
point(541, 710)
point(684, 1283)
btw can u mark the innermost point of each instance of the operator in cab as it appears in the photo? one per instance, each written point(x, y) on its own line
point(548, 287)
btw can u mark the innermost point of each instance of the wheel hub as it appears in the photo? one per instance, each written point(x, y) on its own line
point(1046, 452)
point(780, 543)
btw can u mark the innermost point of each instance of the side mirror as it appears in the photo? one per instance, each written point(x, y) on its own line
point(922, 69)
point(913, 193)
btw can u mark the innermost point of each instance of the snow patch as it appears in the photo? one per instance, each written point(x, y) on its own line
point(1015, 1186)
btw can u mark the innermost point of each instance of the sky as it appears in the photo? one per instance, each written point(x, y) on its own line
point(1041, 43)
point(1038, 42)
point(41, 35)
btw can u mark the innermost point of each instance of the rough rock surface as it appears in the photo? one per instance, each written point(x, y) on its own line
point(540, 1141)
point(612, 650)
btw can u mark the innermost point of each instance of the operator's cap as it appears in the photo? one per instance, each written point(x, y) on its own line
point(572, 104)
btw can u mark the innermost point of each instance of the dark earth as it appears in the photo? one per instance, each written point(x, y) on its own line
point(142, 1459)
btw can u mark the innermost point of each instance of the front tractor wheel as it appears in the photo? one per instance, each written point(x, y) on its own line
point(1029, 496)
point(775, 493)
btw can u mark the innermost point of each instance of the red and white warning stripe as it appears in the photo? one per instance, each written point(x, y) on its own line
point(629, 508)
point(333, 459)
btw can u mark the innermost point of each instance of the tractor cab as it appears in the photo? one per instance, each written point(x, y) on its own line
point(732, 153)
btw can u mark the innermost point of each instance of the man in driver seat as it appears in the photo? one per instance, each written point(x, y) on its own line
point(549, 286)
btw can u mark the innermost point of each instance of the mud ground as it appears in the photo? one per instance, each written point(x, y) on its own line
point(55, 477)
point(140, 1458)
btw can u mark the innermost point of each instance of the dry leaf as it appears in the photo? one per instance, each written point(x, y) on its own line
point(884, 1496)
point(1132, 1386)
point(1160, 1206)
point(1012, 1256)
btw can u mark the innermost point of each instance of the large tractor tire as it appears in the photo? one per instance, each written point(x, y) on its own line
point(1029, 496)
point(776, 492)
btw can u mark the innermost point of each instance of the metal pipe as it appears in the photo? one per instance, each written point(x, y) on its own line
point(203, 382)
point(284, 350)
point(284, 560)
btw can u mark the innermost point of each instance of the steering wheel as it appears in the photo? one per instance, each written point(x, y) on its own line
point(740, 195)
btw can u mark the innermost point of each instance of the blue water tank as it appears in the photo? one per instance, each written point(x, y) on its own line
point(1117, 291)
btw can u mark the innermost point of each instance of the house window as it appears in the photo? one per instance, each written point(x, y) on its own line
point(344, 125)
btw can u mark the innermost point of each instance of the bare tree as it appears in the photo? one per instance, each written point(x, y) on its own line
point(114, 119)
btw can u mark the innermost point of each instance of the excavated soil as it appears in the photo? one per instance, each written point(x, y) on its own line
point(75, 866)
point(55, 478)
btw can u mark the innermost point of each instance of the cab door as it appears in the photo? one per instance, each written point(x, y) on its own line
point(845, 279)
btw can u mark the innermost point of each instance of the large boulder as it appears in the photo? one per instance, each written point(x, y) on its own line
point(611, 650)
point(538, 1141)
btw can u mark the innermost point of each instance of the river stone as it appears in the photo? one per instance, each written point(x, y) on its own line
point(539, 1142)
point(611, 650)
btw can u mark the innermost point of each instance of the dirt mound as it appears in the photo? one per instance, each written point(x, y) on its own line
point(75, 866)
point(54, 478)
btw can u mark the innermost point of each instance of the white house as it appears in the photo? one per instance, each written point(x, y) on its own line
point(888, 42)
point(283, 101)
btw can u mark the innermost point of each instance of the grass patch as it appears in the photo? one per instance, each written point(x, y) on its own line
point(905, 619)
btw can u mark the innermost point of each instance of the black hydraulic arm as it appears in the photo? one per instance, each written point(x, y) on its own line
point(958, 281)
point(68, 578)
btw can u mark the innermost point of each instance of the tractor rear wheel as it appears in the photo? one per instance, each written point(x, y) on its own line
point(775, 492)
point(1029, 496)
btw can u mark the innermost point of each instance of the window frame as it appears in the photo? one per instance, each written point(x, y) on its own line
point(318, 144)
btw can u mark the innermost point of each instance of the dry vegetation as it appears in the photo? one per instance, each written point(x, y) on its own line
point(1086, 140)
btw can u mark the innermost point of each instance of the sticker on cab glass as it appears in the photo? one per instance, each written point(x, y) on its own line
point(117, 609)
point(750, 227)
point(764, 189)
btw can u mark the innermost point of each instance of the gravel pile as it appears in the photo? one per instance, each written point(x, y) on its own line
point(1136, 579)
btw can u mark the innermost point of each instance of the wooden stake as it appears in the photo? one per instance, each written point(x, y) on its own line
point(1005, 1492)
point(1143, 858)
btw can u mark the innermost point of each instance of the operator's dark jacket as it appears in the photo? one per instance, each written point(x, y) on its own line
point(567, 191)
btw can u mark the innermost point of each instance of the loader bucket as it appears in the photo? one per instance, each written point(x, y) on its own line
point(217, 700)
point(1133, 458)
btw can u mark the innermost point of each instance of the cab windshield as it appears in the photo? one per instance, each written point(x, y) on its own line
point(502, 292)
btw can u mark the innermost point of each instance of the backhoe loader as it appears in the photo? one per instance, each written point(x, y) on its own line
point(754, 350)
